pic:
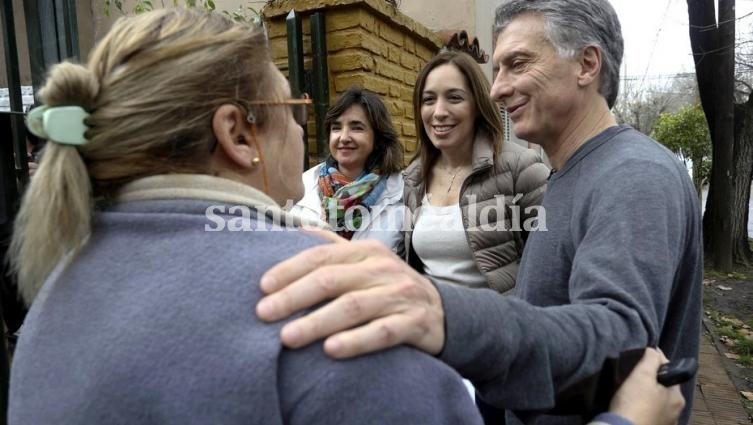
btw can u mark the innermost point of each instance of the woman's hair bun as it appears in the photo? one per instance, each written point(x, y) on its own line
point(70, 84)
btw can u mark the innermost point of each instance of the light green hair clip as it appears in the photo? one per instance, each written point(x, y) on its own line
point(61, 124)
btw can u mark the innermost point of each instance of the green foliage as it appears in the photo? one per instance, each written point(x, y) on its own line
point(684, 132)
point(118, 4)
point(735, 335)
point(738, 275)
point(206, 4)
point(746, 361)
point(143, 6)
point(744, 345)
point(710, 273)
point(729, 332)
point(687, 134)
point(139, 7)
point(243, 14)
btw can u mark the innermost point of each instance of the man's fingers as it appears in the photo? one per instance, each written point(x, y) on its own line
point(387, 315)
point(664, 358)
point(305, 292)
point(328, 281)
point(294, 268)
point(376, 335)
point(370, 287)
point(652, 359)
point(351, 309)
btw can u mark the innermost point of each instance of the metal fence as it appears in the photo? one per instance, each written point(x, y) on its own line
point(52, 35)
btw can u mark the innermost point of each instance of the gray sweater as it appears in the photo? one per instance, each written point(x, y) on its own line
point(619, 267)
point(153, 323)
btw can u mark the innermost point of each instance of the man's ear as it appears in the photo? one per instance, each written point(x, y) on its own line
point(234, 135)
point(590, 65)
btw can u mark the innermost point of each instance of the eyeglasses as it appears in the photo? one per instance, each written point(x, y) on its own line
point(299, 107)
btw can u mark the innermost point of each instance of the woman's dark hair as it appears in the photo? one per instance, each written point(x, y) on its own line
point(387, 156)
point(488, 116)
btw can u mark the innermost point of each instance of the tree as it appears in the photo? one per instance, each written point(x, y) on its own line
point(743, 69)
point(731, 128)
point(687, 134)
point(641, 102)
point(641, 108)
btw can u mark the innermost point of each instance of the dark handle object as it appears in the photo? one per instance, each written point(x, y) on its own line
point(677, 372)
point(592, 394)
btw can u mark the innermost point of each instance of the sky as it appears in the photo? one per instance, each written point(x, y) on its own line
point(656, 35)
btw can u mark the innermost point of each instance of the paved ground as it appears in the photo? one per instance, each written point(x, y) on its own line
point(717, 402)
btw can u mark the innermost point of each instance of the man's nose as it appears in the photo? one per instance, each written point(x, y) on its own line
point(501, 88)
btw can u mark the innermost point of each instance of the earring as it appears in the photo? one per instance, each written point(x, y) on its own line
point(255, 162)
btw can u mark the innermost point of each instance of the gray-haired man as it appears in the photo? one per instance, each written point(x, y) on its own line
point(620, 266)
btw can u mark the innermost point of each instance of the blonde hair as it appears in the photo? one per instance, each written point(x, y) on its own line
point(151, 86)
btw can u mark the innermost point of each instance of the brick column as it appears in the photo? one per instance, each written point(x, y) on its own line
point(369, 44)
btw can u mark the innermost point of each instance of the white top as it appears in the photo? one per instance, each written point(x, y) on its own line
point(384, 222)
point(440, 243)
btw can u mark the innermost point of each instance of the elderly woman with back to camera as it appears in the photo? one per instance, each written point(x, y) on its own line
point(482, 195)
point(124, 241)
point(358, 189)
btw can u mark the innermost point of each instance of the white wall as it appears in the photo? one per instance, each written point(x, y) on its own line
point(474, 16)
point(442, 14)
point(484, 24)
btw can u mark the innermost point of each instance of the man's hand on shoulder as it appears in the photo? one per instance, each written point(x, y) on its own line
point(377, 300)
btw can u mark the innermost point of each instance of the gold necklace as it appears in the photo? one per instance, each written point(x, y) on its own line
point(452, 181)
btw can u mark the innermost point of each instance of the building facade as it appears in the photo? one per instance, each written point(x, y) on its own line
point(474, 16)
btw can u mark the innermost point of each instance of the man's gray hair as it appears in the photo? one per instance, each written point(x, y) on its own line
point(571, 25)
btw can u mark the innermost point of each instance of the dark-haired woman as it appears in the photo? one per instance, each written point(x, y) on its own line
point(358, 189)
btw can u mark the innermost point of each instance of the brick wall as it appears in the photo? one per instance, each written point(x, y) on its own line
point(370, 44)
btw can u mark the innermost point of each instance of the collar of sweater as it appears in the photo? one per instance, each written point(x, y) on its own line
point(202, 187)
